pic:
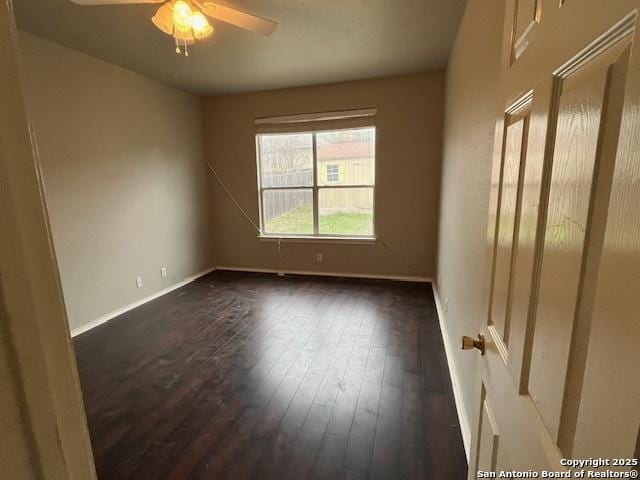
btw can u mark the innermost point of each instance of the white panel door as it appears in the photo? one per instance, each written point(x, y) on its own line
point(560, 377)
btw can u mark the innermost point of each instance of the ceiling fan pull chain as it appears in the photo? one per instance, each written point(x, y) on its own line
point(177, 47)
point(186, 49)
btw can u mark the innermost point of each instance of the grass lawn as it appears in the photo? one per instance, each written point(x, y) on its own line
point(300, 221)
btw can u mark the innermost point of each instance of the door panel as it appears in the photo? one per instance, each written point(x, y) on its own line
point(560, 322)
point(527, 15)
point(579, 355)
point(578, 124)
point(507, 219)
point(489, 437)
point(534, 194)
point(609, 408)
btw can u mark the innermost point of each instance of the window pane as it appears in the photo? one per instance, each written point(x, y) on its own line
point(346, 211)
point(288, 211)
point(333, 173)
point(346, 157)
point(286, 160)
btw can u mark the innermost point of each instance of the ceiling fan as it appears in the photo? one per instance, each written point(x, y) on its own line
point(186, 22)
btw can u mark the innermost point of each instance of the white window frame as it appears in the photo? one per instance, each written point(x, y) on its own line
point(336, 173)
point(315, 188)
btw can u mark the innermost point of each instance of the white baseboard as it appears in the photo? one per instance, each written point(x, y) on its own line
point(463, 418)
point(105, 318)
point(399, 278)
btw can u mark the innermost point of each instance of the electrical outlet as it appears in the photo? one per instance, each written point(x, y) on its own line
point(163, 272)
point(319, 257)
point(446, 305)
point(139, 282)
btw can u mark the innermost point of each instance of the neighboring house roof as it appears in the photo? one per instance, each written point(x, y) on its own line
point(344, 151)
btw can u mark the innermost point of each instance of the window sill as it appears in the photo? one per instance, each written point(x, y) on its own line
point(312, 239)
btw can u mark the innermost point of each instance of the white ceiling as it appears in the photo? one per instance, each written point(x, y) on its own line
point(317, 41)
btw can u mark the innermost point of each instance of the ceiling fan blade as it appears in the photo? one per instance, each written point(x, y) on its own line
point(238, 18)
point(90, 3)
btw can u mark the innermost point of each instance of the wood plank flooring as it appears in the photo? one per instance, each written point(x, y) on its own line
point(255, 376)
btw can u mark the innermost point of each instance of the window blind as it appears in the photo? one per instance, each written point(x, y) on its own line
point(314, 122)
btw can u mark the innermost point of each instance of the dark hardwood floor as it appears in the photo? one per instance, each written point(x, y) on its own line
point(256, 376)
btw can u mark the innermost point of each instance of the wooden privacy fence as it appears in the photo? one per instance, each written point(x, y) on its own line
point(349, 200)
point(289, 179)
point(279, 202)
point(331, 200)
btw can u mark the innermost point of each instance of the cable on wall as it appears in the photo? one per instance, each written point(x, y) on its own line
point(393, 252)
point(243, 211)
point(246, 215)
point(230, 195)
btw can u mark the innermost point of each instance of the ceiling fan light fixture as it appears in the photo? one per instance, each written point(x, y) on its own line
point(201, 26)
point(186, 20)
point(185, 35)
point(182, 14)
point(163, 19)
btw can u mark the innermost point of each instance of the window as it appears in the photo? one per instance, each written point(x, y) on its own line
point(318, 183)
point(333, 173)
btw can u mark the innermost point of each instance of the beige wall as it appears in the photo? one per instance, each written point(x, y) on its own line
point(470, 114)
point(409, 137)
point(124, 175)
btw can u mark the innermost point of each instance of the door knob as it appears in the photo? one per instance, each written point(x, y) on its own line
point(468, 343)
